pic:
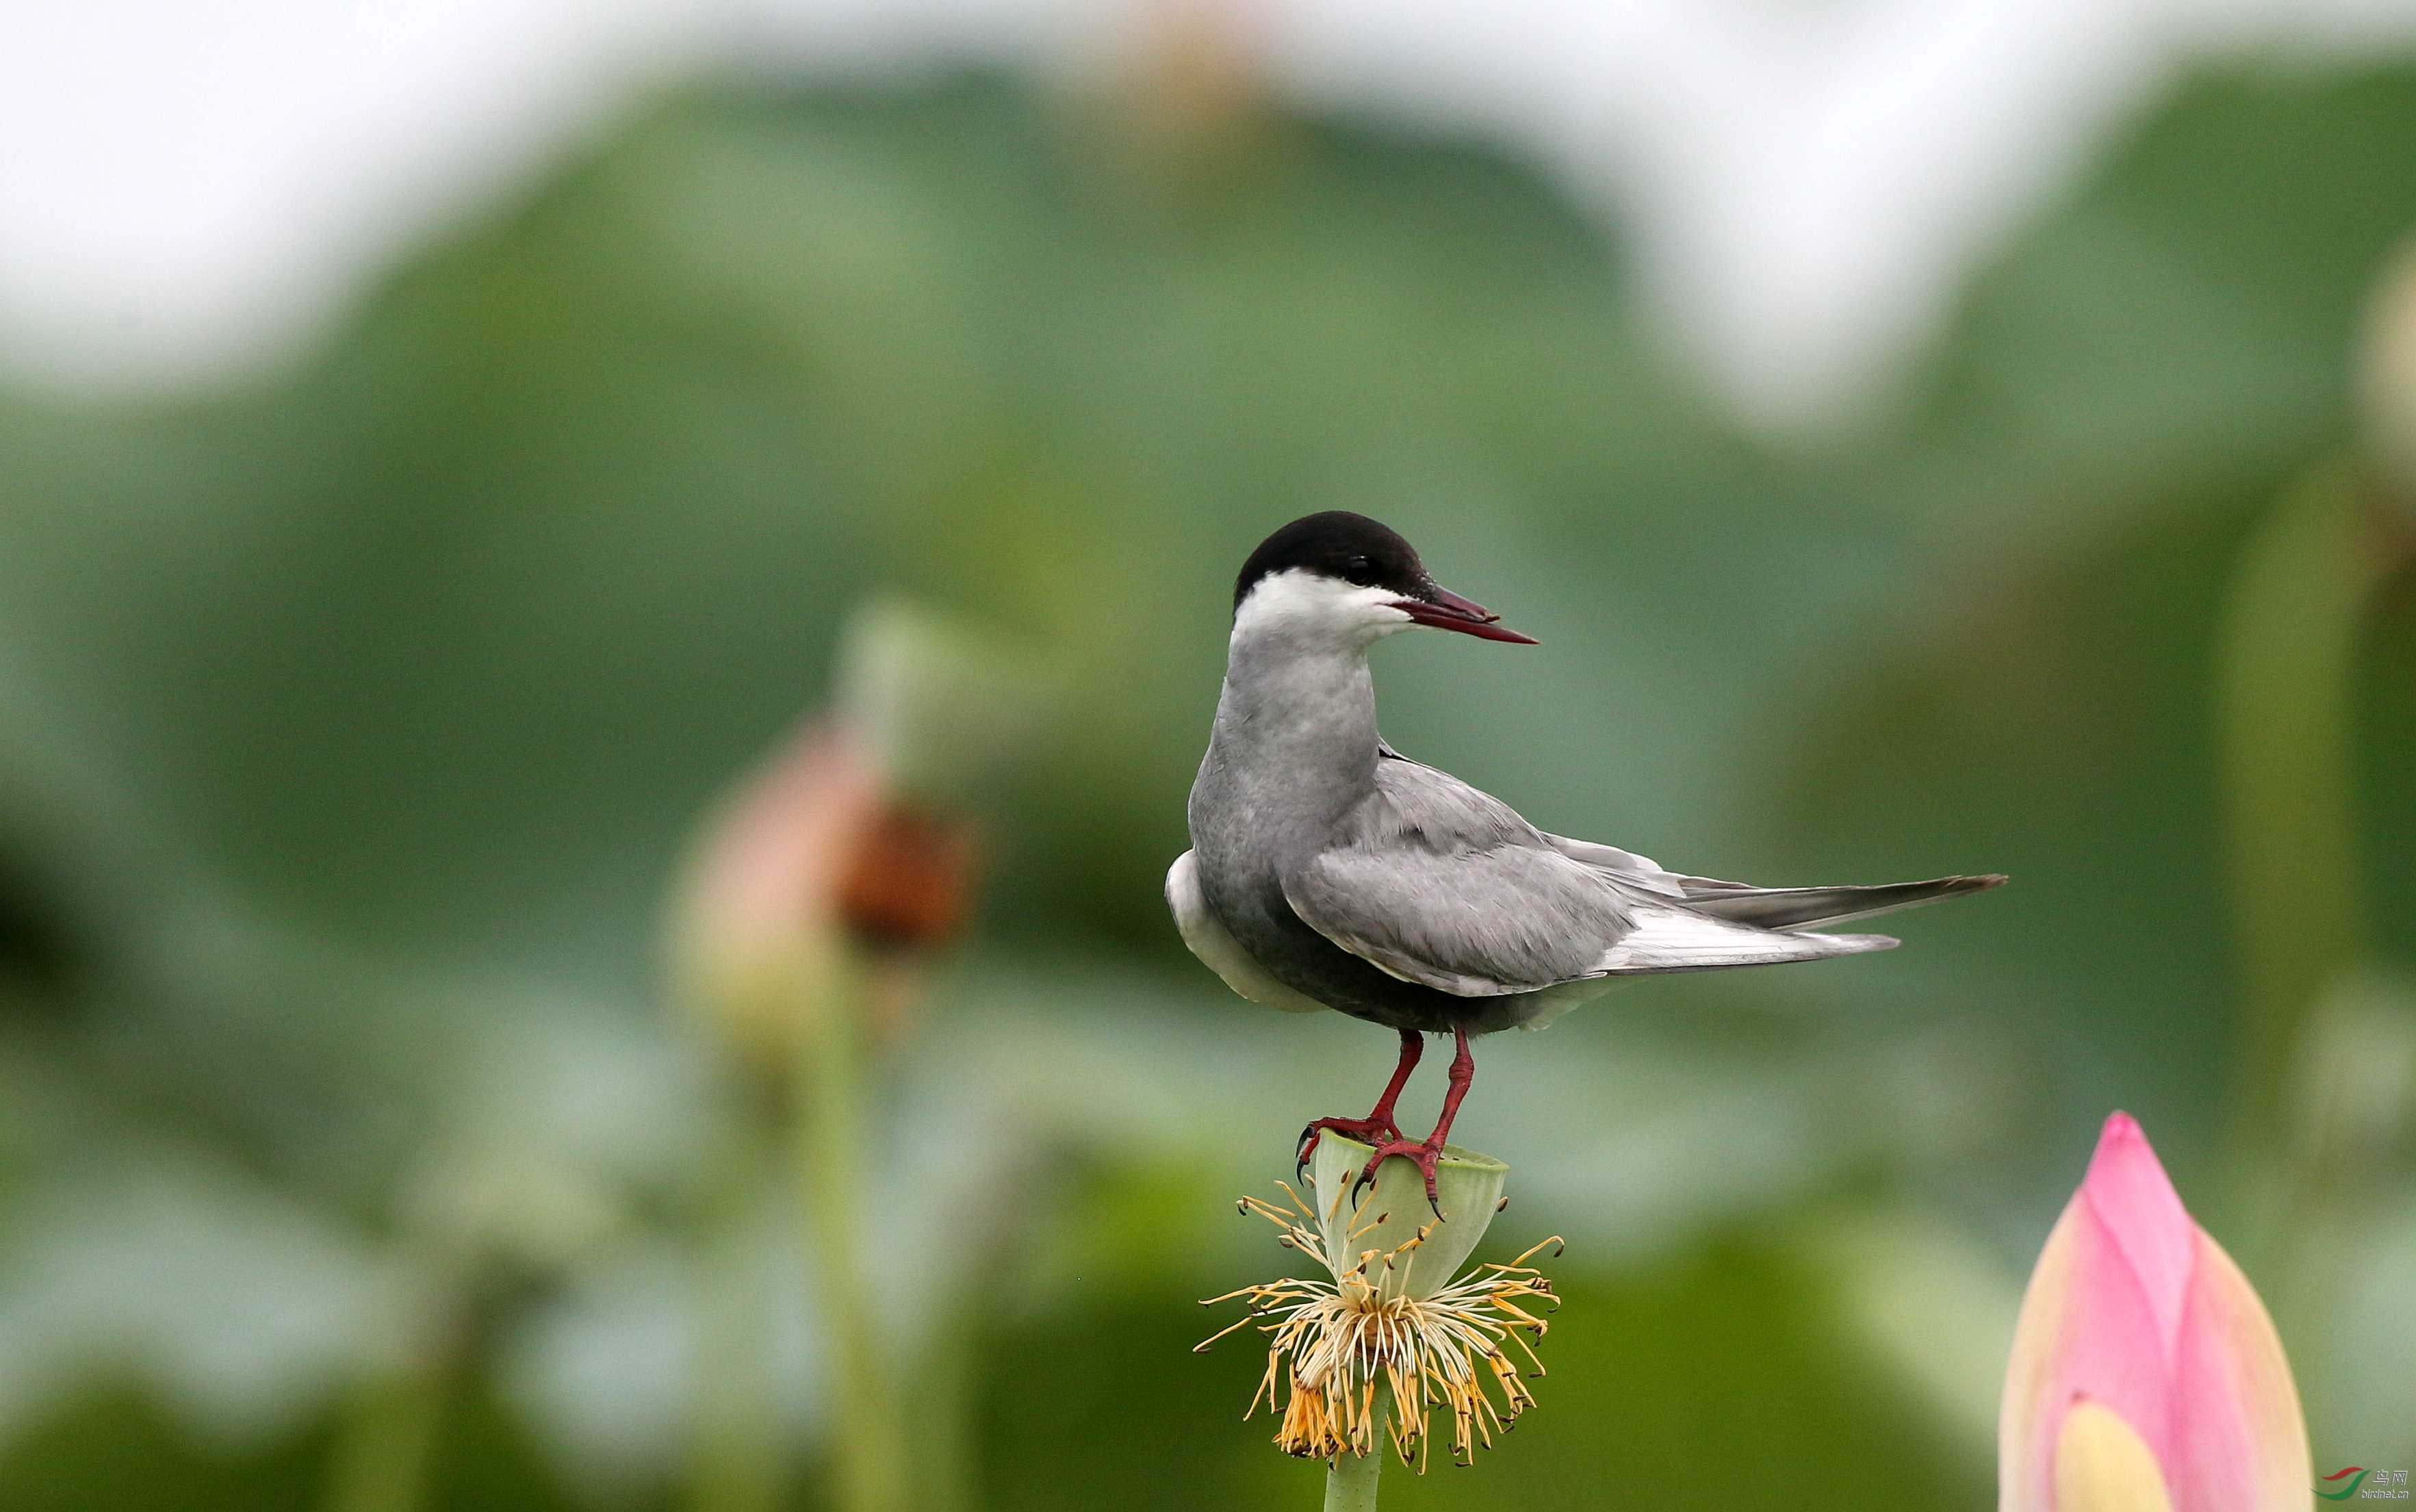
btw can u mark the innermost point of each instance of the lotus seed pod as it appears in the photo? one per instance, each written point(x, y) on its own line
point(1389, 1214)
point(1367, 1351)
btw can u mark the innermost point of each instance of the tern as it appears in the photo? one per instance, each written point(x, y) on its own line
point(1328, 871)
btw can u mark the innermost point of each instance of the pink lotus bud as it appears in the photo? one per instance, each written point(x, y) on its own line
point(2146, 1376)
point(849, 853)
point(812, 853)
point(770, 865)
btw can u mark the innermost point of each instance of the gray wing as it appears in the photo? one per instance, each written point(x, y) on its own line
point(1439, 883)
point(1472, 924)
point(1768, 908)
point(1793, 908)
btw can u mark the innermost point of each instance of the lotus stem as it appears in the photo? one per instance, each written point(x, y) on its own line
point(1351, 1482)
point(867, 1440)
point(738, 1458)
point(2286, 723)
point(386, 1446)
point(389, 1442)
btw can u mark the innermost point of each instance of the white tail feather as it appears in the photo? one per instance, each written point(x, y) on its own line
point(1675, 940)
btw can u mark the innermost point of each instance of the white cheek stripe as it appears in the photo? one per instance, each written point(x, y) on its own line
point(1297, 601)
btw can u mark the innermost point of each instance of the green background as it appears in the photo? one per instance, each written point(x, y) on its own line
point(352, 723)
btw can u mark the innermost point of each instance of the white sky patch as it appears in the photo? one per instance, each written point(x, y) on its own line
point(189, 191)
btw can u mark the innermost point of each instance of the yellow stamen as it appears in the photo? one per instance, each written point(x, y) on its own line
point(1335, 1340)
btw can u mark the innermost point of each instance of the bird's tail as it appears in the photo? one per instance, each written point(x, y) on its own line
point(1796, 908)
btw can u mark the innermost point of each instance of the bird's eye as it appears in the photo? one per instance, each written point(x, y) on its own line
point(1360, 563)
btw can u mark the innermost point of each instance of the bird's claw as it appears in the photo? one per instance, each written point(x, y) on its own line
point(1365, 1130)
point(1425, 1155)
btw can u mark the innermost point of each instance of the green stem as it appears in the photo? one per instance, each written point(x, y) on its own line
point(1350, 1481)
point(867, 1440)
point(386, 1446)
point(2286, 721)
point(942, 1409)
point(388, 1443)
point(738, 1466)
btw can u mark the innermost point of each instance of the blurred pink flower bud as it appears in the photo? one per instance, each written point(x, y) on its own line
point(828, 871)
point(2146, 1376)
point(769, 861)
point(811, 852)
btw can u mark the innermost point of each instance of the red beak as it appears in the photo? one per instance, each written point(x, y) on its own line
point(1448, 611)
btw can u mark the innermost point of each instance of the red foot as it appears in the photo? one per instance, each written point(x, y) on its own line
point(1372, 1129)
point(1423, 1154)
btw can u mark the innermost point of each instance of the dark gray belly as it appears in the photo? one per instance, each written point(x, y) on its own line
point(1262, 923)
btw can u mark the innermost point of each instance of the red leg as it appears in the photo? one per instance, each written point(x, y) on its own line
point(1377, 1122)
point(1425, 1153)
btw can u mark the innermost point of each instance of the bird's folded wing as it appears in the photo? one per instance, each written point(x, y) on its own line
point(1792, 907)
point(1445, 885)
point(1512, 918)
point(1626, 865)
point(1768, 908)
point(1520, 919)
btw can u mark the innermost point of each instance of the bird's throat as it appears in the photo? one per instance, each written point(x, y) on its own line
point(1306, 721)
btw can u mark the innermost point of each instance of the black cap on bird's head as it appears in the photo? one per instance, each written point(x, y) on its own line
point(1342, 548)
